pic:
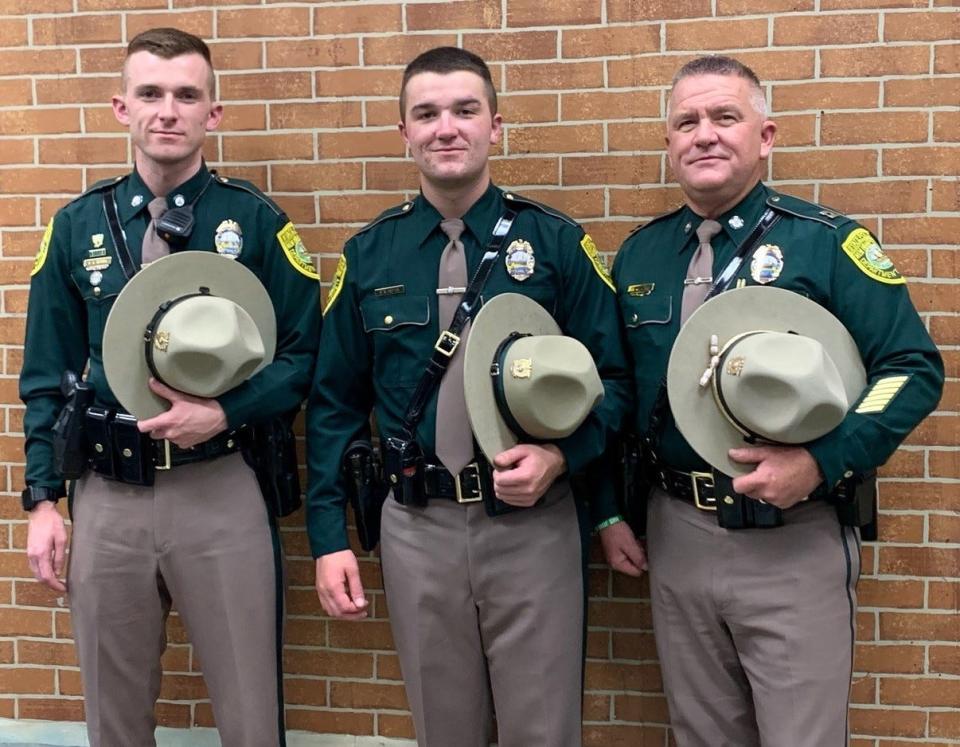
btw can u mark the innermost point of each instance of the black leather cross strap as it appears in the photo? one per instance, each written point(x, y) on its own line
point(767, 221)
point(119, 237)
point(449, 339)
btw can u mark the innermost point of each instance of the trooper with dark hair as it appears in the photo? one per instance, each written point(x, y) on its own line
point(482, 563)
point(164, 508)
point(754, 563)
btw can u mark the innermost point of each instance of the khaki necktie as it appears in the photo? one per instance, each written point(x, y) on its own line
point(699, 278)
point(153, 247)
point(454, 438)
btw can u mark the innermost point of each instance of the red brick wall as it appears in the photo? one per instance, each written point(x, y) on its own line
point(866, 95)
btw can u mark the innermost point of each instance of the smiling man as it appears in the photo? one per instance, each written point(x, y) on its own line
point(483, 567)
point(166, 510)
point(754, 588)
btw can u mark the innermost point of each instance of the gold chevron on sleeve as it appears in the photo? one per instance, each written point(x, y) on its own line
point(881, 394)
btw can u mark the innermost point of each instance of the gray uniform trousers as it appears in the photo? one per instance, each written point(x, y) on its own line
point(470, 595)
point(754, 627)
point(200, 536)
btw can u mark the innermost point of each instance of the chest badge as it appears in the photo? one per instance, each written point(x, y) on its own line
point(767, 264)
point(96, 277)
point(520, 260)
point(229, 239)
point(639, 290)
point(97, 263)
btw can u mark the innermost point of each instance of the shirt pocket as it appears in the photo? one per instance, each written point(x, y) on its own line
point(401, 334)
point(647, 319)
point(98, 300)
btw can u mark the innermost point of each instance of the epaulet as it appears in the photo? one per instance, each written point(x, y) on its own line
point(800, 208)
point(100, 186)
point(652, 221)
point(518, 201)
point(404, 208)
point(247, 187)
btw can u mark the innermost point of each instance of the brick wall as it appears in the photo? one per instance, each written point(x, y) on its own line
point(866, 93)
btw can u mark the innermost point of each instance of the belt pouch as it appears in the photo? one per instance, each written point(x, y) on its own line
point(133, 451)
point(99, 443)
point(403, 468)
point(731, 505)
point(763, 515)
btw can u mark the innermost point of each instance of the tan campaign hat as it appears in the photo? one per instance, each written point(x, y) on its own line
point(523, 380)
point(199, 322)
point(764, 365)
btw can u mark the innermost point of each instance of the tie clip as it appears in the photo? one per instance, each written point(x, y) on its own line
point(450, 290)
point(693, 281)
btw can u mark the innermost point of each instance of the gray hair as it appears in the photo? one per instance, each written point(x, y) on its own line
point(722, 65)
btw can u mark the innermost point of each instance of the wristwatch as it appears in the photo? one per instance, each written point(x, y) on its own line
point(34, 494)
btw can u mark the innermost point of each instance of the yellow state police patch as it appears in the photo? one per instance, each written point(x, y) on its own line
point(296, 252)
point(866, 254)
point(590, 249)
point(44, 250)
point(337, 285)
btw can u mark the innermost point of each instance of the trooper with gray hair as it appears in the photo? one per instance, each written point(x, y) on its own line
point(758, 446)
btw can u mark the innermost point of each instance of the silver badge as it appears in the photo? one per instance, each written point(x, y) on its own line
point(520, 260)
point(736, 222)
point(136, 201)
point(95, 278)
point(229, 239)
point(178, 200)
point(767, 264)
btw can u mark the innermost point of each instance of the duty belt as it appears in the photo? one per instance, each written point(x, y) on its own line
point(693, 487)
point(167, 454)
point(463, 488)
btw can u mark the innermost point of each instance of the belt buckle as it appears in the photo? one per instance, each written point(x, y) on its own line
point(708, 504)
point(447, 343)
point(167, 462)
point(459, 489)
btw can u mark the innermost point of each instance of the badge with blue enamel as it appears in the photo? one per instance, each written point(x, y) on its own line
point(767, 264)
point(229, 239)
point(520, 260)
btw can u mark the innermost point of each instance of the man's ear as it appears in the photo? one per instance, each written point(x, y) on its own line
point(768, 132)
point(119, 104)
point(215, 116)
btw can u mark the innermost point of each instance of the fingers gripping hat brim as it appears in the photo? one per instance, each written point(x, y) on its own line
point(170, 277)
point(753, 308)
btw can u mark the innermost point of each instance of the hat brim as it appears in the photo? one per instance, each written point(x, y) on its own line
point(731, 313)
point(124, 362)
point(499, 317)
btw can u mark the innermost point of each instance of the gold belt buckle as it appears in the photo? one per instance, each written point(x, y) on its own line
point(167, 464)
point(447, 338)
point(459, 490)
point(694, 476)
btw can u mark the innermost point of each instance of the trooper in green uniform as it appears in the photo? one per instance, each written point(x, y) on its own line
point(201, 533)
point(755, 626)
point(470, 594)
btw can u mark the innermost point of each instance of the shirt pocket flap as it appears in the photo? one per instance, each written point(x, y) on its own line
point(641, 310)
point(385, 314)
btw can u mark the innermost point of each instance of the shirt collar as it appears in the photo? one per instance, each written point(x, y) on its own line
point(478, 219)
point(737, 222)
point(133, 195)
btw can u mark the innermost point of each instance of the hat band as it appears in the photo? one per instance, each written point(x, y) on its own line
point(149, 334)
point(496, 374)
point(750, 436)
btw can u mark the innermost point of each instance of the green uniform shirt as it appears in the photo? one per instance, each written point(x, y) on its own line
point(380, 327)
point(78, 274)
point(812, 251)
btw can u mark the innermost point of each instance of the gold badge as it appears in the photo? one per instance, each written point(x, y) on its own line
point(590, 249)
point(735, 366)
point(296, 252)
point(97, 240)
point(639, 290)
point(94, 264)
point(229, 239)
point(521, 368)
point(162, 341)
point(337, 285)
point(520, 260)
point(44, 248)
point(866, 253)
point(767, 264)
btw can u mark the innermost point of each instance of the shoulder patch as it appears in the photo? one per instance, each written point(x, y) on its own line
point(296, 252)
point(800, 208)
point(44, 249)
point(337, 284)
point(866, 254)
point(517, 201)
point(249, 189)
point(590, 249)
point(403, 209)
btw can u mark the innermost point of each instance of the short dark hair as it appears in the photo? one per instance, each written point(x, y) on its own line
point(444, 60)
point(169, 43)
point(718, 64)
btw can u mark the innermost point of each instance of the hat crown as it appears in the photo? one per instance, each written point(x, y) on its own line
point(782, 387)
point(550, 384)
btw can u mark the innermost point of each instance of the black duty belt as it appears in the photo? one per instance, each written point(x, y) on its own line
point(167, 454)
point(693, 487)
point(438, 482)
